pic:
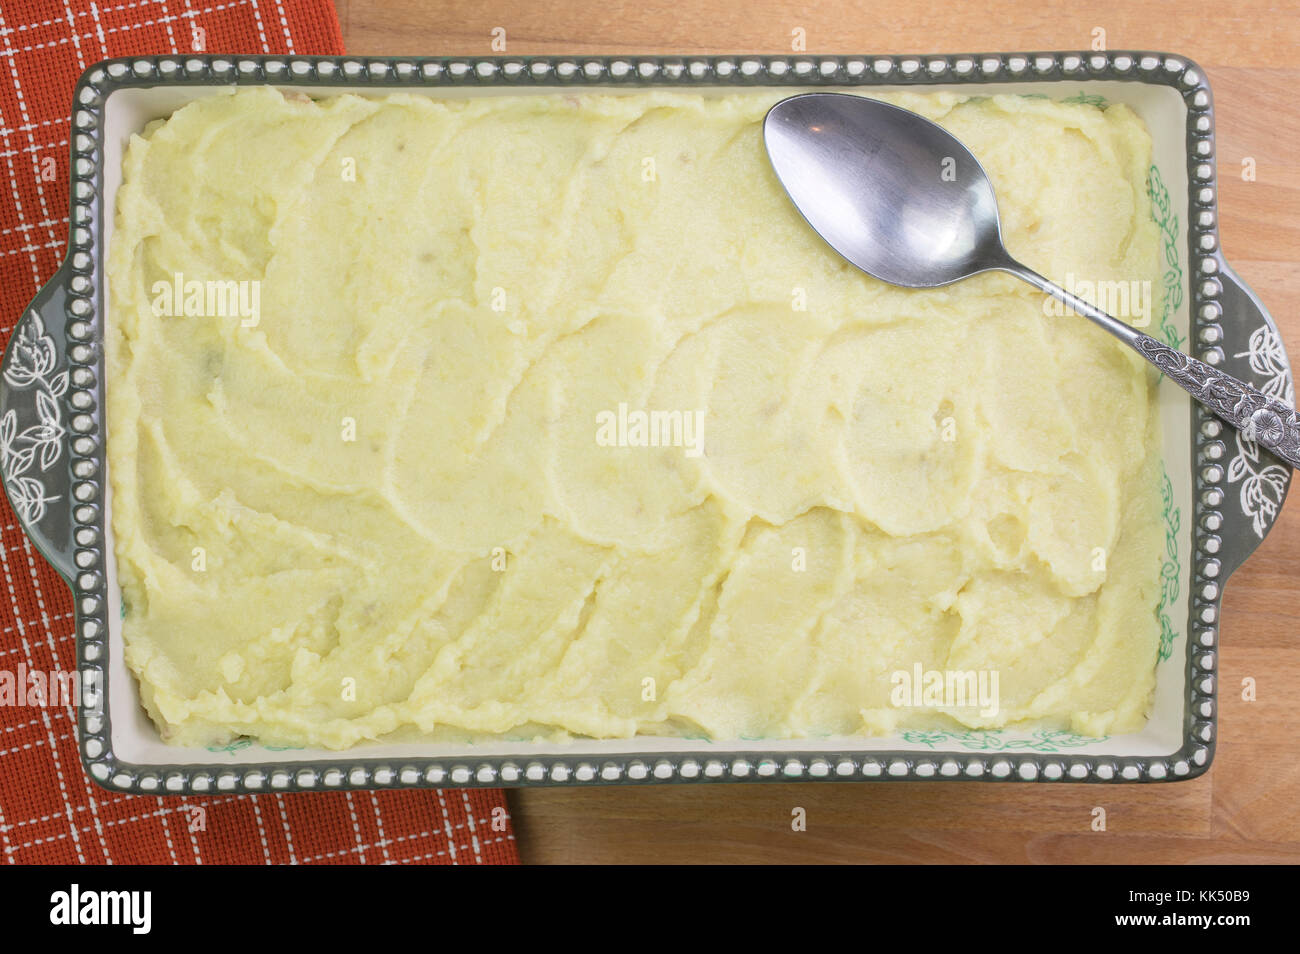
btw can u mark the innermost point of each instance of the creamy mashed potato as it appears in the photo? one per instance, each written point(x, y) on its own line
point(554, 418)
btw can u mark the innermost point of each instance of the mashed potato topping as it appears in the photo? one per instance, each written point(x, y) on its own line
point(548, 415)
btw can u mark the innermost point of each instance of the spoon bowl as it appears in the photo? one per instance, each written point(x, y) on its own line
point(894, 193)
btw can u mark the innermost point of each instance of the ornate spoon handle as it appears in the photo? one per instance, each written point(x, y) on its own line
point(1271, 423)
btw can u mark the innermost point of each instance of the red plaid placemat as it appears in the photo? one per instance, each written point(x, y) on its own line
point(50, 812)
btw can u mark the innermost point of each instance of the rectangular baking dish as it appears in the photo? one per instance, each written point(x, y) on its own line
point(1221, 493)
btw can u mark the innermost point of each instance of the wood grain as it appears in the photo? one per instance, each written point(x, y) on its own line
point(1245, 810)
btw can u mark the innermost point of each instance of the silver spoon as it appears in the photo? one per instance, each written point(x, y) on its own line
point(903, 200)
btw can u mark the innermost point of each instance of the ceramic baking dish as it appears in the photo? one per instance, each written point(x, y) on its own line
point(1221, 494)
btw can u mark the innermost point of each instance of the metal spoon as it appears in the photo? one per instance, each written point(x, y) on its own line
point(904, 201)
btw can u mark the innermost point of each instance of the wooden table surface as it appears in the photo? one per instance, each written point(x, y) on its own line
point(1245, 809)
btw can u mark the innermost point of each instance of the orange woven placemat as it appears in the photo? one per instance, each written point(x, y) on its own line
point(50, 812)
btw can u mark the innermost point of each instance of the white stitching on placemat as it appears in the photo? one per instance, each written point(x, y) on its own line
point(356, 827)
point(194, 841)
point(76, 39)
point(44, 818)
point(13, 189)
point(99, 29)
point(165, 814)
point(427, 833)
point(41, 841)
point(10, 629)
point(46, 620)
point(261, 32)
point(446, 822)
point(129, 6)
point(4, 837)
point(127, 27)
point(53, 243)
point(29, 226)
point(171, 35)
point(27, 119)
point(158, 812)
point(31, 26)
point(355, 849)
point(93, 804)
point(438, 854)
point(261, 829)
point(26, 746)
point(379, 823)
point(6, 153)
point(12, 51)
point(20, 726)
point(424, 857)
point(284, 25)
point(473, 827)
point(28, 127)
point(288, 833)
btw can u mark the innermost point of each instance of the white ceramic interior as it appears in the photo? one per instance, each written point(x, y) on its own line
point(136, 740)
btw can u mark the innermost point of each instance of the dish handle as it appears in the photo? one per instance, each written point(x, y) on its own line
point(1255, 483)
point(34, 430)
